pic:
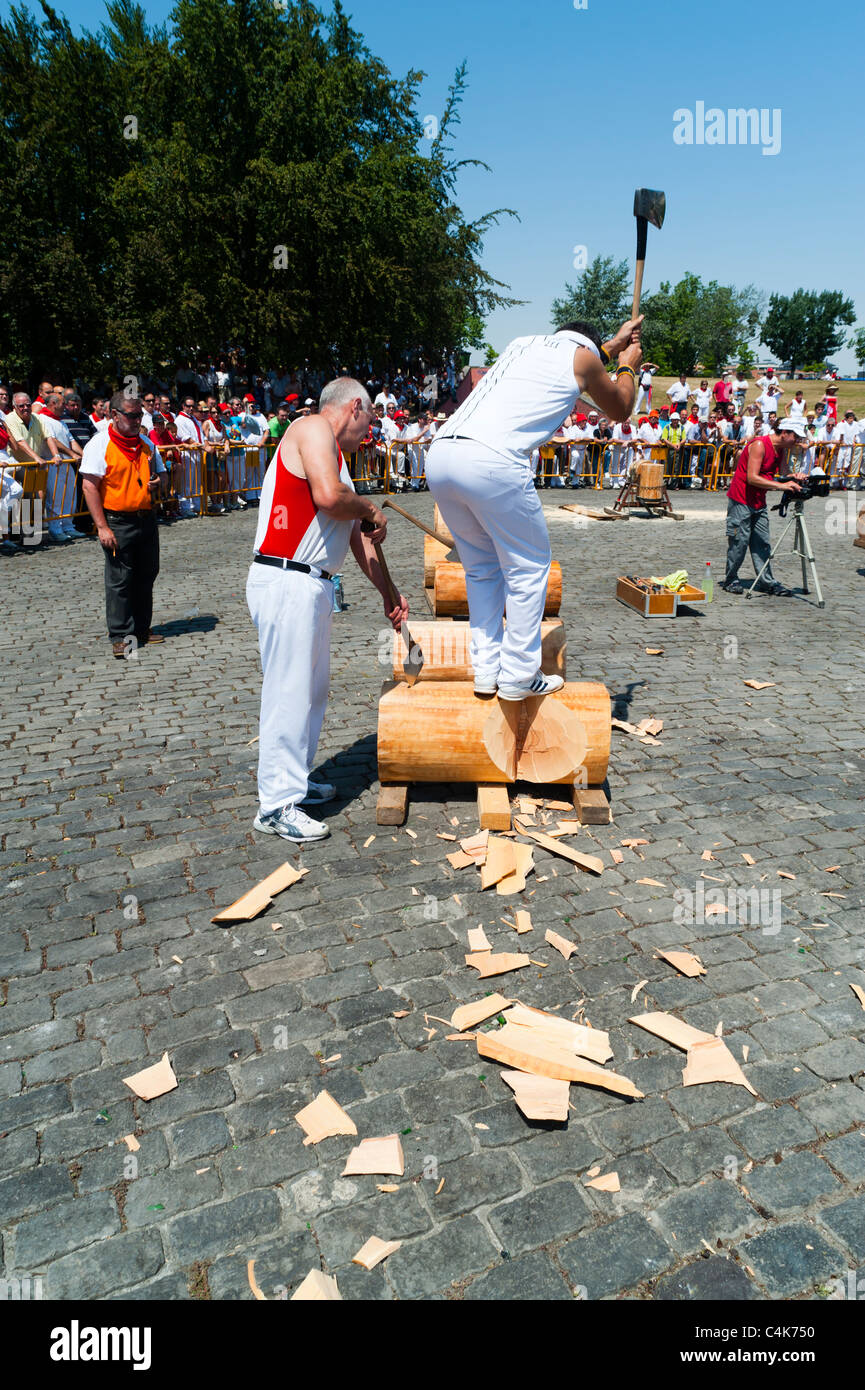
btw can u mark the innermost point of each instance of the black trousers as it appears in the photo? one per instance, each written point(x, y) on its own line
point(131, 574)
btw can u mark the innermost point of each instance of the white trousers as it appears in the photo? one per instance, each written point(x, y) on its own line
point(11, 493)
point(61, 493)
point(292, 613)
point(496, 518)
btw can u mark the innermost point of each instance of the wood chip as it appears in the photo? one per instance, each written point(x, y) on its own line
point(560, 943)
point(522, 921)
point(579, 1038)
point(684, 961)
point(711, 1060)
point(478, 1125)
point(616, 856)
point(442, 835)
point(261, 896)
point(317, 1288)
point(714, 909)
point(608, 1183)
point(368, 841)
point(387, 1186)
point(569, 827)
point(400, 1013)
point(516, 882)
point(831, 869)
point(672, 1030)
point(652, 882)
point(631, 844)
point(376, 1156)
point(782, 873)
point(250, 1275)
point(749, 859)
point(635, 991)
point(323, 1118)
point(707, 855)
point(335, 1058)
point(759, 685)
point(133, 1145)
point(179, 959)
point(500, 861)
point(496, 963)
point(594, 1171)
point(374, 1251)
point(539, 1097)
point(459, 859)
point(478, 940)
point(859, 992)
point(521, 1049)
point(439, 1188)
point(153, 1081)
point(276, 926)
point(588, 862)
point(468, 1015)
point(654, 651)
point(476, 846)
point(712, 878)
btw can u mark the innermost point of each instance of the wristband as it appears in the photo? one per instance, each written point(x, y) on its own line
point(605, 356)
point(630, 372)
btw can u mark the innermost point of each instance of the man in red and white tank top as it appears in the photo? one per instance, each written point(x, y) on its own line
point(747, 517)
point(309, 516)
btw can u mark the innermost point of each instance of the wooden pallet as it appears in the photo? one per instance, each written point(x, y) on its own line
point(494, 803)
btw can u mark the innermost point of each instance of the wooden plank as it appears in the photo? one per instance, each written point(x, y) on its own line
point(392, 805)
point(517, 1048)
point(494, 807)
point(592, 806)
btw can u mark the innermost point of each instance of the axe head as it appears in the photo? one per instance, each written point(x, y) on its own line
point(651, 205)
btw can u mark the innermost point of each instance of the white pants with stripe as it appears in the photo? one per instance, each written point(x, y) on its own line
point(495, 516)
point(292, 613)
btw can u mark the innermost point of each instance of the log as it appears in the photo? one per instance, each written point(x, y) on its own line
point(435, 732)
point(439, 524)
point(449, 590)
point(433, 552)
point(445, 648)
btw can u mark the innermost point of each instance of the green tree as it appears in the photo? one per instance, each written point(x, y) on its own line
point(692, 322)
point(806, 325)
point(600, 297)
point(856, 341)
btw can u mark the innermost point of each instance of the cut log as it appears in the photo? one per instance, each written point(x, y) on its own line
point(392, 805)
point(449, 590)
point(433, 552)
point(445, 647)
point(434, 732)
point(536, 740)
point(494, 808)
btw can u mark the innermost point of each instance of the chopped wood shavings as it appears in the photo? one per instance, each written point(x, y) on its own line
point(542, 963)
point(569, 827)
point(439, 1188)
point(714, 909)
point(654, 651)
point(616, 856)
point(518, 1048)
point(652, 882)
point(831, 869)
point(759, 685)
point(480, 1126)
point(712, 1060)
point(335, 1058)
point(250, 1267)
point(276, 926)
point(560, 943)
point(832, 895)
point(500, 861)
point(859, 992)
point(368, 842)
point(719, 1028)
point(376, 1156)
point(400, 1013)
point(745, 1050)
point(467, 1015)
point(749, 859)
point(374, 1251)
point(317, 1288)
point(440, 835)
point(782, 873)
point(133, 1145)
point(588, 862)
point(707, 855)
point(459, 1037)
point(608, 1183)
point(387, 1187)
point(455, 820)
point(672, 1030)
point(430, 1033)
point(261, 896)
point(539, 1097)
point(411, 833)
point(415, 861)
point(153, 1081)
point(522, 921)
point(635, 991)
point(516, 881)
point(631, 844)
point(476, 846)
point(199, 1171)
point(684, 961)
point(459, 859)
point(179, 959)
point(712, 878)
point(594, 1171)
point(593, 1043)
point(415, 893)
point(478, 940)
point(496, 963)
point(323, 1118)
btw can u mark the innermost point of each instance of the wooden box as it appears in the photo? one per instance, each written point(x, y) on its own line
point(664, 605)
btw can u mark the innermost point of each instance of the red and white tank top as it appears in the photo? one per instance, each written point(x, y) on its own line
point(290, 525)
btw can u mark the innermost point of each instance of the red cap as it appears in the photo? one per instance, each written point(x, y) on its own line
point(643, 420)
point(225, 408)
point(250, 398)
point(289, 399)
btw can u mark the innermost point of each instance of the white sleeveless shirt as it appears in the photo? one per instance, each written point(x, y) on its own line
point(524, 397)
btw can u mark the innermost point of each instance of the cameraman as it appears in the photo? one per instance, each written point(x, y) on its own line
point(747, 517)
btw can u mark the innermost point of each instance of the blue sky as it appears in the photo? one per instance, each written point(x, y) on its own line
point(574, 108)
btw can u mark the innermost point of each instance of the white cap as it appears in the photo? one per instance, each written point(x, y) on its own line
point(795, 426)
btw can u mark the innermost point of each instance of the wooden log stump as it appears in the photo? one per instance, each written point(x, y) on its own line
point(432, 554)
point(440, 731)
point(449, 590)
point(445, 647)
point(439, 524)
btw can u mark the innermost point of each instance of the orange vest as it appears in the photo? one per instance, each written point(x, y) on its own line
point(126, 480)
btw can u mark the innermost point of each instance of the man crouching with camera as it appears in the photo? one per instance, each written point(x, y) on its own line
point(747, 516)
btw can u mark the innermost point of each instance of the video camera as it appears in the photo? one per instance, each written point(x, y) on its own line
point(815, 485)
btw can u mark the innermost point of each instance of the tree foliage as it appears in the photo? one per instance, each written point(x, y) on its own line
point(692, 322)
point(248, 173)
point(806, 325)
point(856, 341)
point(601, 297)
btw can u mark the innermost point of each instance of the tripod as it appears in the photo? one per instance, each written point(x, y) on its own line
point(801, 547)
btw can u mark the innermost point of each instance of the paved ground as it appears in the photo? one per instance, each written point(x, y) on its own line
point(128, 796)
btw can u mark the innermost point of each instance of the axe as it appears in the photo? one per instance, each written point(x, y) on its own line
point(413, 664)
point(439, 536)
point(649, 206)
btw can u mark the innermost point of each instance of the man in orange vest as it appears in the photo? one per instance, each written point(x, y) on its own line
point(121, 472)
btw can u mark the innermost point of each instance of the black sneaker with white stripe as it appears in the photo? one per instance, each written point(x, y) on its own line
point(541, 685)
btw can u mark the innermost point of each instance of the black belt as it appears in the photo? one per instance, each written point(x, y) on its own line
point(289, 565)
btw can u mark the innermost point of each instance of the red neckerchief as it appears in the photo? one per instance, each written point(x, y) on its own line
point(129, 445)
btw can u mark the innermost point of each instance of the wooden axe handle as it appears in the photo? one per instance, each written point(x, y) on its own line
point(379, 555)
point(638, 288)
point(421, 525)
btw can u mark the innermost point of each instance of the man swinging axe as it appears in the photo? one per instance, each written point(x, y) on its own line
point(309, 516)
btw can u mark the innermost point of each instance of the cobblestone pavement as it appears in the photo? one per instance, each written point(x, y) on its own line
point(128, 797)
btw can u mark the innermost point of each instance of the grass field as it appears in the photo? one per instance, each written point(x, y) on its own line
point(851, 394)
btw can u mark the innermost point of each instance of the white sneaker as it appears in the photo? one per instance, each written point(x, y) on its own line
point(541, 685)
point(320, 791)
point(486, 685)
point(291, 824)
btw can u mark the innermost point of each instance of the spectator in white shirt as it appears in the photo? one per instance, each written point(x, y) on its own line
point(647, 371)
point(846, 434)
point(386, 397)
point(680, 392)
point(190, 430)
point(703, 400)
point(740, 390)
point(797, 407)
point(60, 496)
point(768, 379)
